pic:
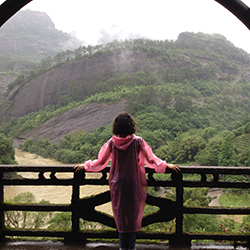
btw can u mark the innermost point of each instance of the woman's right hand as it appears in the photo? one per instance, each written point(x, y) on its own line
point(79, 168)
point(173, 167)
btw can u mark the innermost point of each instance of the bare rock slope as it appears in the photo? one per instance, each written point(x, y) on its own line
point(36, 93)
point(87, 117)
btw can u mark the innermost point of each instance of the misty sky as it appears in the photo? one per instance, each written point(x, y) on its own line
point(101, 21)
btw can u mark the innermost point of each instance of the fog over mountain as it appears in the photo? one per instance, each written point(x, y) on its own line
point(26, 39)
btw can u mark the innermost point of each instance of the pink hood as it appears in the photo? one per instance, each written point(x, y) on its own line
point(122, 143)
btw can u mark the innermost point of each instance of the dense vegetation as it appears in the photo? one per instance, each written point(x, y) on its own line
point(194, 108)
point(7, 153)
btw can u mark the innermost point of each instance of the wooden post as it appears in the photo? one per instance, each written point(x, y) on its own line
point(179, 202)
point(74, 202)
point(75, 215)
point(179, 239)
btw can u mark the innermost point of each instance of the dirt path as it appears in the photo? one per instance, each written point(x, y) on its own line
point(212, 193)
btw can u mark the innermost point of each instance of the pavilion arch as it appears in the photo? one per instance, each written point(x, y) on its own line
point(237, 7)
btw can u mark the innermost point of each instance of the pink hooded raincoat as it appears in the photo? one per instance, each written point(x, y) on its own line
point(127, 179)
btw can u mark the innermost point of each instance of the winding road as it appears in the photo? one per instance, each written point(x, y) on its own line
point(212, 193)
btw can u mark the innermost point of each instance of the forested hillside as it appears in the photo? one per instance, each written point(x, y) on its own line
point(26, 39)
point(190, 99)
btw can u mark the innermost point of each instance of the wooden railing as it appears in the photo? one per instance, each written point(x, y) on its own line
point(85, 208)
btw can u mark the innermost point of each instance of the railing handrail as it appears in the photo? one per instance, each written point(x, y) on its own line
point(79, 179)
point(70, 168)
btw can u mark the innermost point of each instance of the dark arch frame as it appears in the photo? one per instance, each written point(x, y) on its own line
point(10, 8)
point(237, 7)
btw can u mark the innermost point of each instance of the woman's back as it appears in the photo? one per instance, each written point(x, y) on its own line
point(126, 186)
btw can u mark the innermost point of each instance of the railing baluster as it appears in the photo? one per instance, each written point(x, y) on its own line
point(175, 240)
point(179, 216)
point(75, 199)
point(74, 203)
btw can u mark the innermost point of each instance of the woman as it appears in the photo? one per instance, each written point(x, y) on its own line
point(128, 154)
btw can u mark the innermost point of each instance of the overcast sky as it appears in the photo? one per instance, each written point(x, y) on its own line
point(97, 21)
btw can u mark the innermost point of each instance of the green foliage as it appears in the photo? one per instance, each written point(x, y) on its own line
point(245, 157)
point(199, 222)
point(191, 222)
point(227, 155)
point(245, 225)
point(43, 147)
point(25, 219)
point(7, 152)
point(165, 153)
point(63, 221)
point(186, 148)
point(178, 96)
point(60, 221)
point(38, 220)
point(196, 197)
point(203, 146)
point(68, 156)
point(209, 156)
point(230, 226)
point(235, 199)
point(72, 148)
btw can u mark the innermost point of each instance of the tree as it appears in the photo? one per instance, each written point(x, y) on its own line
point(60, 221)
point(27, 145)
point(63, 220)
point(209, 155)
point(19, 219)
point(7, 152)
point(199, 222)
point(165, 152)
point(197, 197)
point(40, 219)
point(245, 157)
point(25, 219)
point(147, 95)
point(227, 155)
point(186, 147)
point(182, 103)
point(245, 225)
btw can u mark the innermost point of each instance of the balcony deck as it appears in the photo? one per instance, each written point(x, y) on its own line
point(45, 245)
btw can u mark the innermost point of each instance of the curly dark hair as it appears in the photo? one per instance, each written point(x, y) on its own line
point(124, 124)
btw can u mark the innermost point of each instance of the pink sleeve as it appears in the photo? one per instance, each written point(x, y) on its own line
point(151, 160)
point(102, 161)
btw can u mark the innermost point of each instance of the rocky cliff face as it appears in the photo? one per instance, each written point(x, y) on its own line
point(36, 93)
point(4, 81)
point(87, 117)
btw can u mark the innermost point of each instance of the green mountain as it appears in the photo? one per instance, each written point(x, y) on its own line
point(188, 98)
point(32, 35)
